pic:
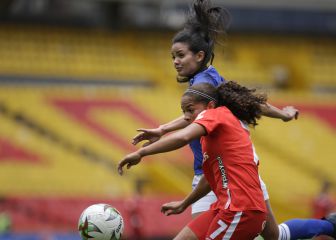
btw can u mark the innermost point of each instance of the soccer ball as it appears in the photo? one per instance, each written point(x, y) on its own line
point(100, 222)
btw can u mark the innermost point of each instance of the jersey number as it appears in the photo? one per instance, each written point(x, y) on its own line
point(223, 226)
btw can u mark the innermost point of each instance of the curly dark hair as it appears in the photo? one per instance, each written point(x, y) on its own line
point(243, 102)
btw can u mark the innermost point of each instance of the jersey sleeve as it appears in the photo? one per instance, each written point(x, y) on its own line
point(208, 120)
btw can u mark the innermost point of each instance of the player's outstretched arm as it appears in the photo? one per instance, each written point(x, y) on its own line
point(202, 189)
point(149, 135)
point(172, 142)
point(154, 134)
point(286, 114)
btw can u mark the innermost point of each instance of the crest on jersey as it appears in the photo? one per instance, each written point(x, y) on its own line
point(200, 115)
point(205, 157)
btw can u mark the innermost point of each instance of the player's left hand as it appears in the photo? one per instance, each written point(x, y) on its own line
point(291, 113)
point(130, 160)
point(151, 135)
point(172, 208)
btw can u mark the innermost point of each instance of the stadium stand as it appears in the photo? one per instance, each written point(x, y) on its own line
point(296, 156)
point(70, 54)
point(91, 138)
point(71, 99)
point(145, 58)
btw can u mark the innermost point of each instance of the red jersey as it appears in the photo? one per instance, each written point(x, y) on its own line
point(229, 164)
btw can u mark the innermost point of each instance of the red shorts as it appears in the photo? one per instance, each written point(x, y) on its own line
point(225, 224)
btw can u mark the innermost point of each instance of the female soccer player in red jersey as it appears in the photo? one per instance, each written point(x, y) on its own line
point(220, 116)
point(192, 51)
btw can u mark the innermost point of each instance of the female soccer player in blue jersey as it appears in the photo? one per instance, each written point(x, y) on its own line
point(192, 51)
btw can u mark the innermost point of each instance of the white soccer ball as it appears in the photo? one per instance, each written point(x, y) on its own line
point(100, 222)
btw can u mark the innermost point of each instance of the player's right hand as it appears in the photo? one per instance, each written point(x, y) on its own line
point(151, 135)
point(291, 113)
point(130, 160)
point(172, 208)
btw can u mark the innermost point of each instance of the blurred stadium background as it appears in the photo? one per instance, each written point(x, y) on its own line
point(78, 77)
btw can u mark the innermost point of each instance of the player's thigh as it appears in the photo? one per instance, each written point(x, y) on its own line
point(199, 226)
point(236, 225)
point(271, 230)
point(186, 234)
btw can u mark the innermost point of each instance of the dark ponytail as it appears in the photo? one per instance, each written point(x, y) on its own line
point(203, 25)
point(206, 20)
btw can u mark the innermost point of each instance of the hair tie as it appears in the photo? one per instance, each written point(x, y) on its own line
point(201, 94)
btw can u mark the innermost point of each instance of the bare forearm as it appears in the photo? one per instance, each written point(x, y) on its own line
point(174, 125)
point(273, 112)
point(167, 144)
point(174, 141)
point(202, 189)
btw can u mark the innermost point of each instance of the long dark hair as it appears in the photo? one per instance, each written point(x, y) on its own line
point(203, 25)
point(243, 102)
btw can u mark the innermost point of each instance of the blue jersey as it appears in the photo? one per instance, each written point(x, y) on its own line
point(210, 75)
